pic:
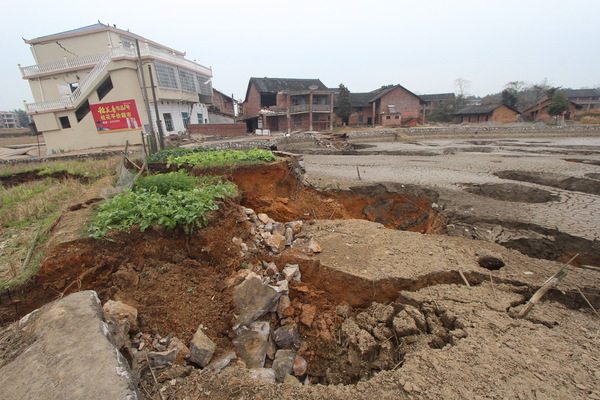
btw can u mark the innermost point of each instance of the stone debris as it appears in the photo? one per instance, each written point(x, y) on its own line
point(201, 348)
point(283, 364)
point(300, 366)
point(254, 298)
point(292, 271)
point(287, 336)
point(314, 246)
point(263, 374)
point(121, 319)
point(251, 347)
point(220, 362)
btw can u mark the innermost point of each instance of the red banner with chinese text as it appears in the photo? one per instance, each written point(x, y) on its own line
point(116, 116)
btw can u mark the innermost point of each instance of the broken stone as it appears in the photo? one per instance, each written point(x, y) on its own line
point(217, 364)
point(275, 242)
point(308, 314)
point(158, 358)
point(248, 211)
point(176, 371)
point(254, 298)
point(292, 271)
point(237, 241)
point(314, 246)
point(251, 347)
point(287, 336)
point(289, 236)
point(366, 321)
point(121, 318)
point(182, 350)
point(271, 348)
point(263, 374)
point(291, 380)
point(278, 229)
point(283, 363)
point(237, 278)
point(382, 332)
point(201, 348)
point(404, 324)
point(343, 310)
point(300, 366)
point(359, 339)
point(264, 218)
point(296, 226)
point(283, 305)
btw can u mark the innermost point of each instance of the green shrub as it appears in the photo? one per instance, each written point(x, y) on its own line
point(163, 183)
point(148, 207)
point(221, 158)
point(163, 155)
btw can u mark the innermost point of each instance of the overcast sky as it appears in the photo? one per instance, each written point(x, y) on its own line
point(423, 45)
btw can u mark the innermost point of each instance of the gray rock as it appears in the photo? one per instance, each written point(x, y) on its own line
point(282, 305)
point(296, 226)
point(220, 362)
point(278, 229)
point(182, 350)
point(287, 336)
point(201, 348)
point(264, 218)
point(314, 246)
point(158, 358)
point(251, 347)
point(291, 380)
point(275, 243)
point(300, 366)
point(417, 316)
point(292, 271)
point(254, 298)
point(263, 374)
point(404, 324)
point(68, 357)
point(289, 236)
point(283, 363)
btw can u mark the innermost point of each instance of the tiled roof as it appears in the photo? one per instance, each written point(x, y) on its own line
point(574, 93)
point(485, 109)
point(76, 30)
point(274, 85)
point(437, 96)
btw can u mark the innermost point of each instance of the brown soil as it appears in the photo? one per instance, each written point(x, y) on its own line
point(22, 177)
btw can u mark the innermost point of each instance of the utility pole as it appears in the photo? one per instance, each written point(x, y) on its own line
point(161, 136)
point(145, 94)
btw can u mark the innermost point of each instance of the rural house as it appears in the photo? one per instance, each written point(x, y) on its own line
point(286, 105)
point(432, 101)
point(539, 112)
point(588, 99)
point(89, 92)
point(485, 113)
point(388, 105)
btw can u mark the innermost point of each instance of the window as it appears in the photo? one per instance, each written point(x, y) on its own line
point(168, 122)
point(73, 86)
point(186, 119)
point(268, 99)
point(104, 88)
point(397, 117)
point(64, 122)
point(388, 117)
point(200, 118)
point(166, 75)
point(82, 111)
point(187, 80)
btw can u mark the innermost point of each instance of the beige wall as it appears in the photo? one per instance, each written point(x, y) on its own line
point(71, 47)
point(83, 134)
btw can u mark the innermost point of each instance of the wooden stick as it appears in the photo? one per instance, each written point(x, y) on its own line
point(30, 252)
point(549, 284)
point(155, 380)
point(358, 172)
point(464, 277)
point(586, 300)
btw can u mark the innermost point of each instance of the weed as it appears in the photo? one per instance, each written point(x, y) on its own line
point(191, 290)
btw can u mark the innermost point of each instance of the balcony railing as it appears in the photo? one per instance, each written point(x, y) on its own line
point(299, 108)
point(306, 108)
point(321, 107)
point(116, 52)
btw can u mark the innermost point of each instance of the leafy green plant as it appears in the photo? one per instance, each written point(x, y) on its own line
point(221, 158)
point(163, 183)
point(163, 155)
point(148, 207)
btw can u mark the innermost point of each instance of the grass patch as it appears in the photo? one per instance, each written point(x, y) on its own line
point(170, 207)
point(89, 168)
point(219, 158)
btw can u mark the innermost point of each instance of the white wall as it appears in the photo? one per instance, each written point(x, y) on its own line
point(175, 108)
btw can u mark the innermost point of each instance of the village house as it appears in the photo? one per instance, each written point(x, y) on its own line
point(88, 86)
point(388, 105)
point(432, 101)
point(588, 99)
point(286, 105)
point(486, 113)
point(9, 119)
point(539, 112)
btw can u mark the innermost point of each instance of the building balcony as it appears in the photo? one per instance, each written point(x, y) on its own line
point(306, 108)
point(89, 61)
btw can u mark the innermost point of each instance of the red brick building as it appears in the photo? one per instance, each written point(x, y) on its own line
point(485, 113)
point(388, 105)
point(286, 105)
point(222, 103)
point(539, 112)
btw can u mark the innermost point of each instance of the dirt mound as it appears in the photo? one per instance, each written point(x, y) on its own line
point(512, 192)
point(553, 180)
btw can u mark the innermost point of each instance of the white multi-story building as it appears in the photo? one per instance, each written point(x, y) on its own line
point(89, 91)
point(9, 119)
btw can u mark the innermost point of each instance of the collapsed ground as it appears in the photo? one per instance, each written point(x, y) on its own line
point(173, 280)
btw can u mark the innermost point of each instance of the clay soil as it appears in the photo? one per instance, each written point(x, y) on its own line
point(382, 242)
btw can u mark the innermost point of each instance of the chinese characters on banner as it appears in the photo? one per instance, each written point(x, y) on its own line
point(116, 116)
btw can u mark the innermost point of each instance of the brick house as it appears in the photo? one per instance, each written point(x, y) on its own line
point(539, 112)
point(434, 100)
point(222, 103)
point(286, 105)
point(588, 99)
point(388, 105)
point(484, 113)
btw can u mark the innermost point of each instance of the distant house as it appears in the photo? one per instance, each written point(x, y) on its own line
point(388, 105)
point(588, 99)
point(286, 105)
point(9, 119)
point(434, 100)
point(222, 103)
point(539, 112)
point(485, 113)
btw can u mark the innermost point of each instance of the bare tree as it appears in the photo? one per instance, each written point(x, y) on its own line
point(463, 86)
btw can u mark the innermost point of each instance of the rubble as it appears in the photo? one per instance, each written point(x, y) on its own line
point(283, 364)
point(254, 298)
point(201, 348)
